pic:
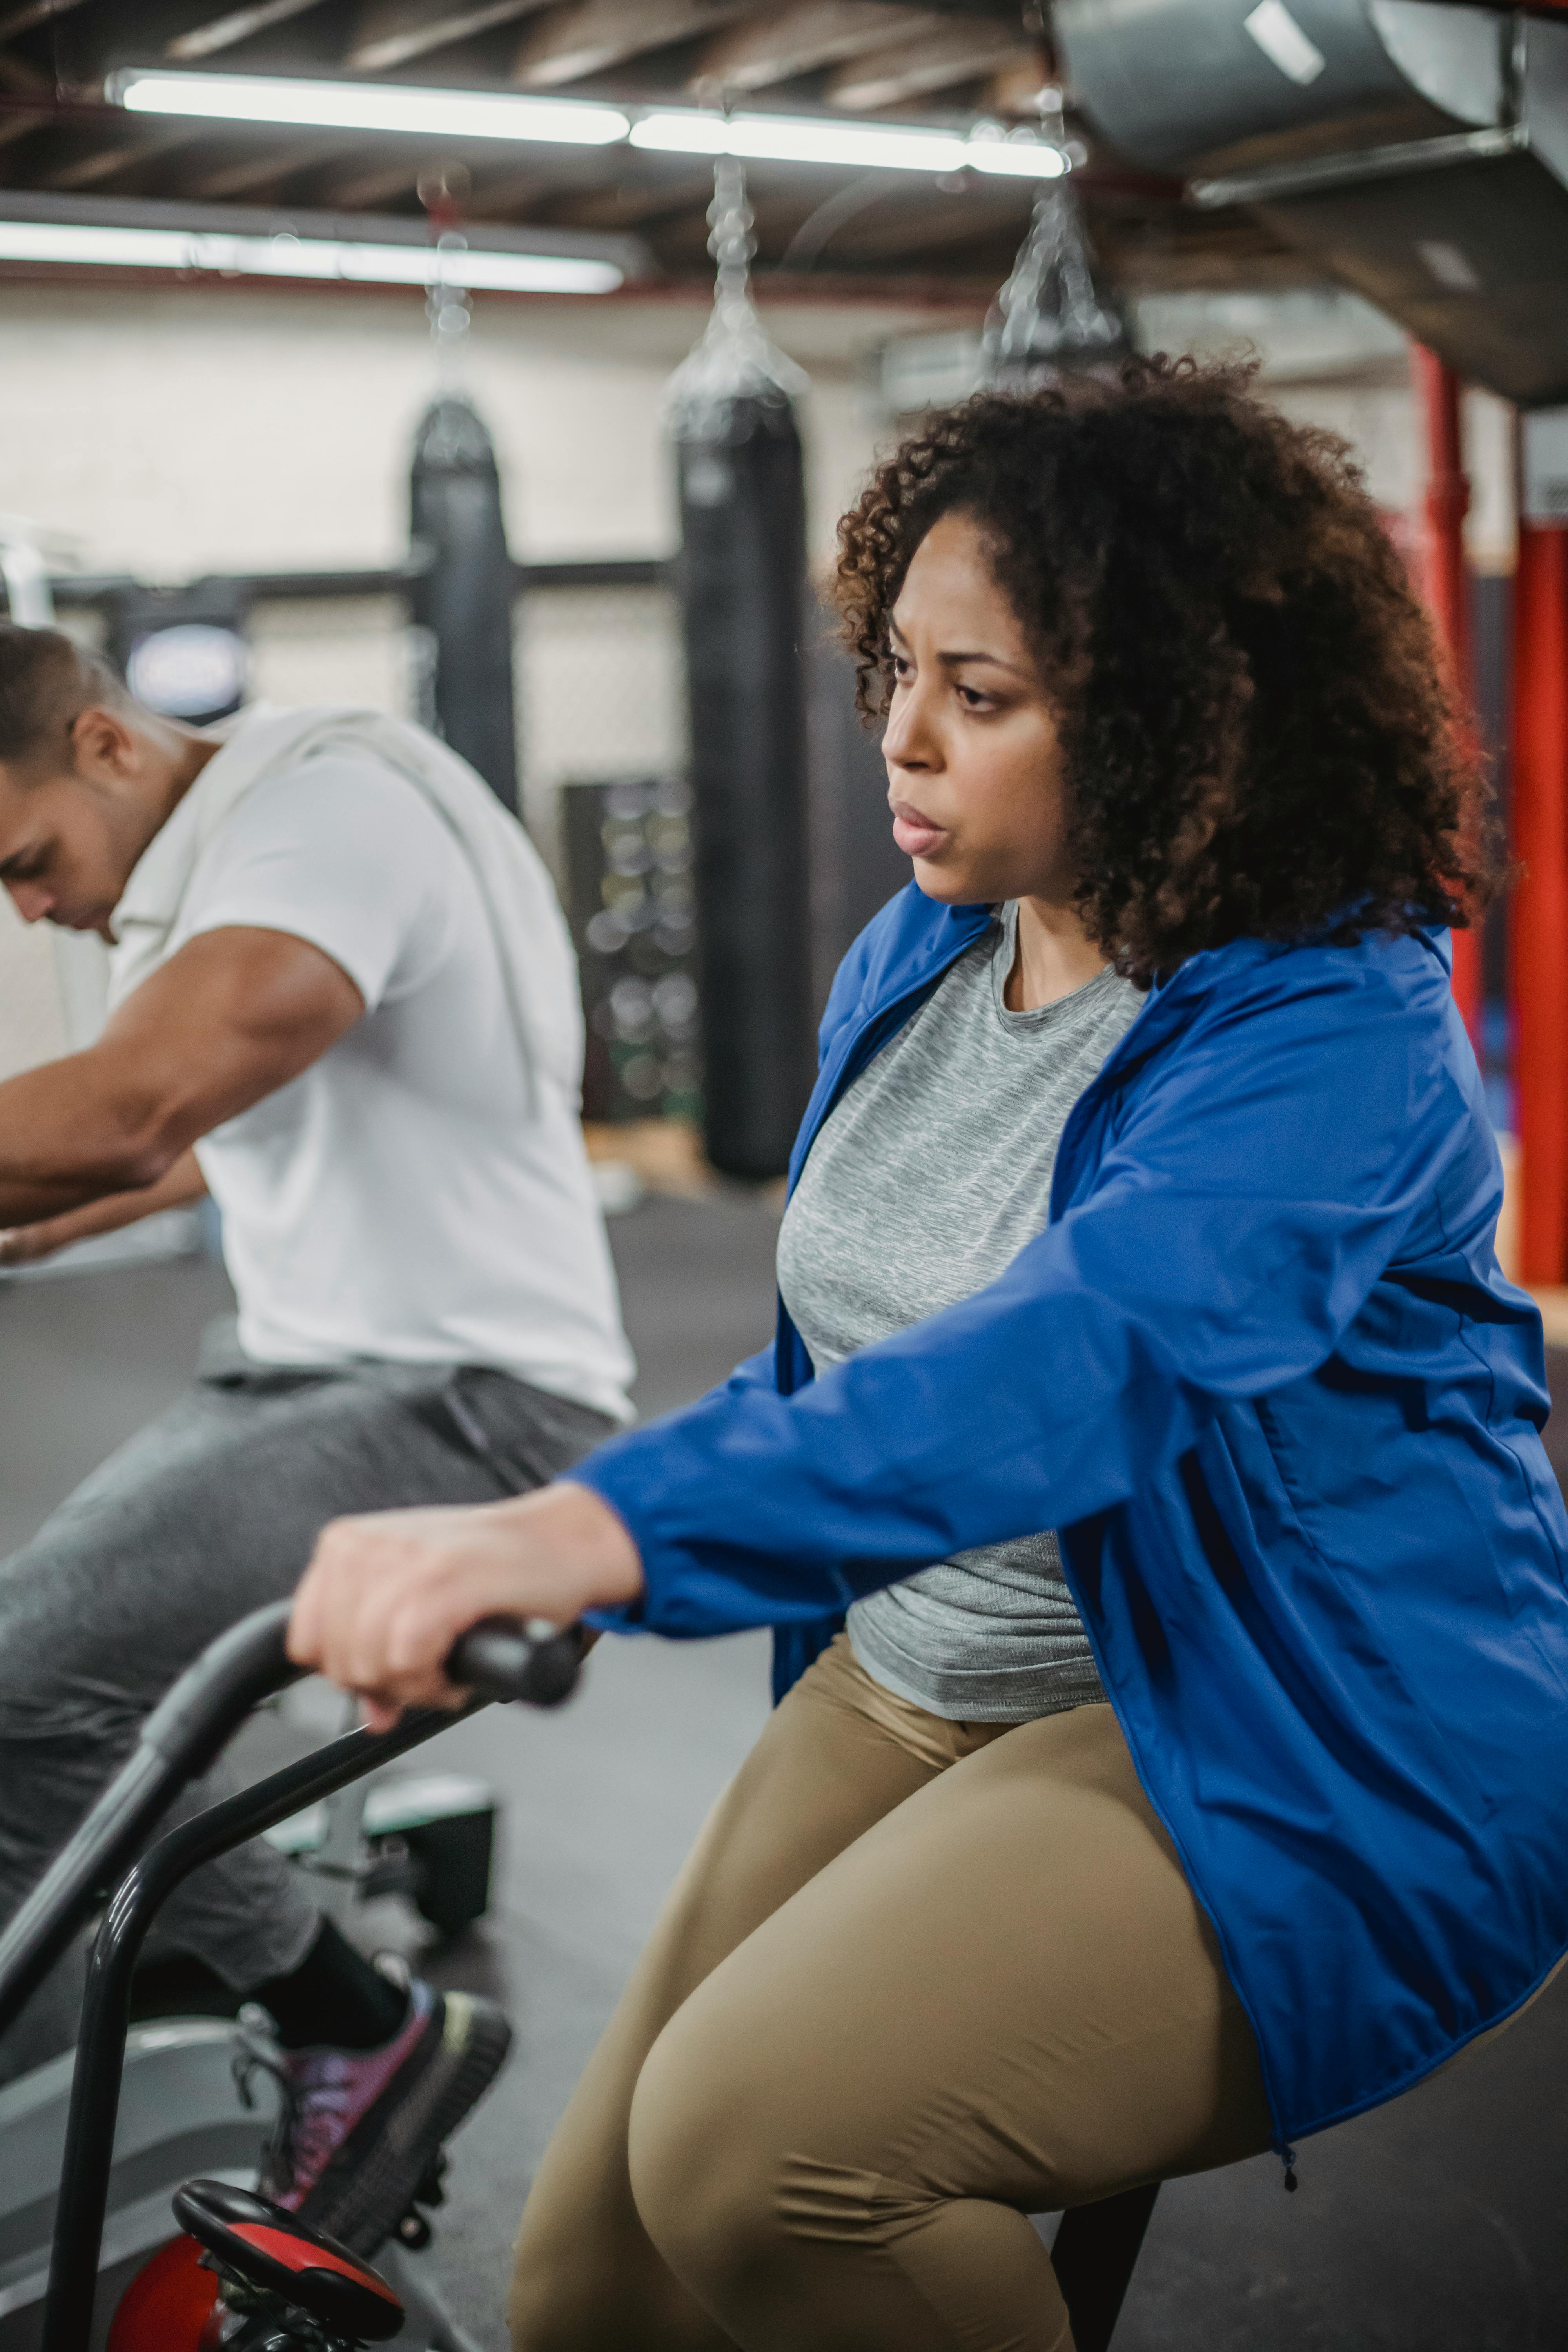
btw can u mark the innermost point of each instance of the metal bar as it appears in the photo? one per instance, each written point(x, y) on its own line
point(179, 1740)
point(100, 2052)
point(87, 589)
point(598, 571)
point(1096, 2250)
point(1278, 181)
point(1538, 927)
point(64, 1897)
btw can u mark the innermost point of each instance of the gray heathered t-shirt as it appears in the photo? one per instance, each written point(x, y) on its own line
point(932, 1173)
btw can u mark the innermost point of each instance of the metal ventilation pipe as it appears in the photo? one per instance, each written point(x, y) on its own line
point(1417, 148)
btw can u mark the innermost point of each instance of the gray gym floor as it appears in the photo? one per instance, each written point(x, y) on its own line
point(1436, 2223)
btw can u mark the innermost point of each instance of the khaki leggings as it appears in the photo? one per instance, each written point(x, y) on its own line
point(916, 1980)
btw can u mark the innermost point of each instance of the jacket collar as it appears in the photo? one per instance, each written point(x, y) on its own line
point(916, 939)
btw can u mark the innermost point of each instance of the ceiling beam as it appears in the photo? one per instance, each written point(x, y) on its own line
point(802, 39)
point(392, 33)
point(502, 195)
point(19, 80)
point(30, 13)
point(626, 207)
point(510, 195)
point(235, 25)
point(955, 52)
point(585, 36)
point(891, 232)
point(103, 163)
point(254, 174)
point(374, 186)
point(1015, 91)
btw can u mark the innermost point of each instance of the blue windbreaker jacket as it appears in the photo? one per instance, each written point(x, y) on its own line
point(1262, 1372)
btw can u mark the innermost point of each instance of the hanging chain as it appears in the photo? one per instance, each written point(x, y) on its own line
point(447, 304)
point(731, 244)
point(448, 308)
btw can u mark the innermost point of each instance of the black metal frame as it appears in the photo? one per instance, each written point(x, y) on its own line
point(497, 1659)
point(1096, 2246)
point(89, 2155)
point(1094, 2256)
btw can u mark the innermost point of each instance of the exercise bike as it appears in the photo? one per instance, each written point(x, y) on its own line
point(246, 2274)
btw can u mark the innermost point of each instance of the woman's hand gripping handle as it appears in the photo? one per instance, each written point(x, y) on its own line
point(388, 1595)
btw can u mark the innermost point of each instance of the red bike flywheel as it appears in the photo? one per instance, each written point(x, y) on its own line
point(168, 2305)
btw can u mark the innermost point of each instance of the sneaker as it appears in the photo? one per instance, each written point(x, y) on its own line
point(360, 2130)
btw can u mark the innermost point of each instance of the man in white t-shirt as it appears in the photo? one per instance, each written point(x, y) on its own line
point(343, 1002)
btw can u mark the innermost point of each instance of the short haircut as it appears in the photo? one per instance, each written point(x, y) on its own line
point(47, 681)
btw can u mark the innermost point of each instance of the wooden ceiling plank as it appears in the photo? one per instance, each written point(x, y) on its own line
point(392, 33)
point(616, 208)
point(773, 48)
point(19, 126)
point(887, 234)
point(19, 80)
point(251, 175)
point(31, 14)
point(585, 36)
point(510, 195)
point(1017, 90)
point(235, 25)
point(955, 52)
point(92, 171)
point(372, 188)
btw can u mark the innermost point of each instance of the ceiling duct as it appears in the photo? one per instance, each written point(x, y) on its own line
point(1418, 149)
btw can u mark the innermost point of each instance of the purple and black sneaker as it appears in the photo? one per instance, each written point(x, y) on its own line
point(360, 2130)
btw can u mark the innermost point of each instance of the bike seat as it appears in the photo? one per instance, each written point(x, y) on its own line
point(275, 2254)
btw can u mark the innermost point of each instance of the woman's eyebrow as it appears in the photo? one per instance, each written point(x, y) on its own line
point(955, 660)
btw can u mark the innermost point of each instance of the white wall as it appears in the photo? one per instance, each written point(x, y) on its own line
point(240, 428)
point(254, 428)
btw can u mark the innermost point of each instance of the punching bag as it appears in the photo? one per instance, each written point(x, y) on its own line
point(743, 589)
point(463, 602)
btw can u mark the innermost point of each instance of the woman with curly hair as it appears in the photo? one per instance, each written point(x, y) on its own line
point(1145, 1483)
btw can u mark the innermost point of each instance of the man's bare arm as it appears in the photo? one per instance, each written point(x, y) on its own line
point(232, 1017)
point(27, 1244)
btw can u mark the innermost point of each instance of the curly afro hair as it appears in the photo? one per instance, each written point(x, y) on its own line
point(1257, 734)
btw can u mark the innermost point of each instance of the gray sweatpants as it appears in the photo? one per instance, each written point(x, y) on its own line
point(212, 1510)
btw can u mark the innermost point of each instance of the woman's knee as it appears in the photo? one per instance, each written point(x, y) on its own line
point(702, 2150)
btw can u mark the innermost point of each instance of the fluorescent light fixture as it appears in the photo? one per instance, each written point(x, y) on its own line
point(860, 146)
point(681, 130)
point(369, 106)
point(285, 255)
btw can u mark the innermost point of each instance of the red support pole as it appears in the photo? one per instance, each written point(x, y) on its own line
point(1448, 587)
point(1538, 924)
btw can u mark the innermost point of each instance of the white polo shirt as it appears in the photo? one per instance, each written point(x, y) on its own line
point(402, 1199)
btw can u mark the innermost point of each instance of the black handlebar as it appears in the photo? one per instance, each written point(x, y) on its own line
point(499, 1659)
point(505, 1658)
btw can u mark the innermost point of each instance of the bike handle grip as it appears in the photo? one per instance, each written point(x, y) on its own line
point(513, 1658)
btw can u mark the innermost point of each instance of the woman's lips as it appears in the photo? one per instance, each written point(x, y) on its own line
point(915, 835)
